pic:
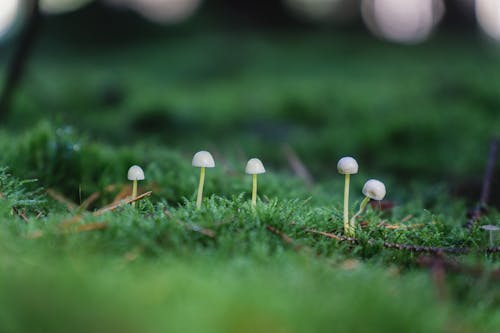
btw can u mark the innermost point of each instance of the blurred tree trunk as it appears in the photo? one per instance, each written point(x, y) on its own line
point(16, 68)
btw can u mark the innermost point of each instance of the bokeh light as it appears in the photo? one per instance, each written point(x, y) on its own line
point(408, 21)
point(324, 10)
point(9, 10)
point(61, 6)
point(488, 16)
point(162, 11)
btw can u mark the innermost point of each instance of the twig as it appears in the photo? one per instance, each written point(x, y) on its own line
point(399, 226)
point(20, 58)
point(339, 238)
point(21, 214)
point(91, 226)
point(408, 247)
point(62, 199)
point(124, 192)
point(486, 188)
point(121, 203)
point(407, 218)
point(287, 239)
point(298, 166)
point(93, 197)
point(71, 221)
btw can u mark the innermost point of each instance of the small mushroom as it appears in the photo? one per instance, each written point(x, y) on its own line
point(373, 189)
point(134, 174)
point(254, 167)
point(347, 166)
point(491, 229)
point(202, 159)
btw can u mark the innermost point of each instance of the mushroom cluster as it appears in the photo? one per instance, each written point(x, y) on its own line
point(203, 159)
point(372, 190)
point(347, 166)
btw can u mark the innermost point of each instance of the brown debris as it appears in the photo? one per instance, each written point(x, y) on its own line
point(284, 237)
point(21, 214)
point(407, 218)
point(115, 205)
point(34, 234)
point(125, 191)
point(71, 221)
point(408, 247)
point(91, 226)
point(298, 166)
point(70, 205)
point(85, 204)
point(350, 264)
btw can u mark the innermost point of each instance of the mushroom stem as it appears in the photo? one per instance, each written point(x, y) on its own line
point(254, 191)
point(491, 238)
point(200, 187)
point(134, 191)
point(362, 207)
point(346, 204)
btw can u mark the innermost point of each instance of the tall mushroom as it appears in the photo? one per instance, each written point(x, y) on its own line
point(134, 174)
point(254, 167)
point(491, 229)
point(373, 190)
point(202, 159)
point(347, 166)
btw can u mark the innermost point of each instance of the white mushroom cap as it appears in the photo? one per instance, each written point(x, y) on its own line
point(374, 189)
point(135, 173)
point(254, 167)
point(347, 166)
point(203, 159)
point(490, 227)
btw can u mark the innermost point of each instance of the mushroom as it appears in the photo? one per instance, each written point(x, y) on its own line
point(202, 159)
point(491, 229)
point(134, 174)
point(373, 189)
point(347, 166)
point(254, 167)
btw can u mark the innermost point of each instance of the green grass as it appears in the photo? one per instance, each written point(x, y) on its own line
point(159, 265)
point(165, 266)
